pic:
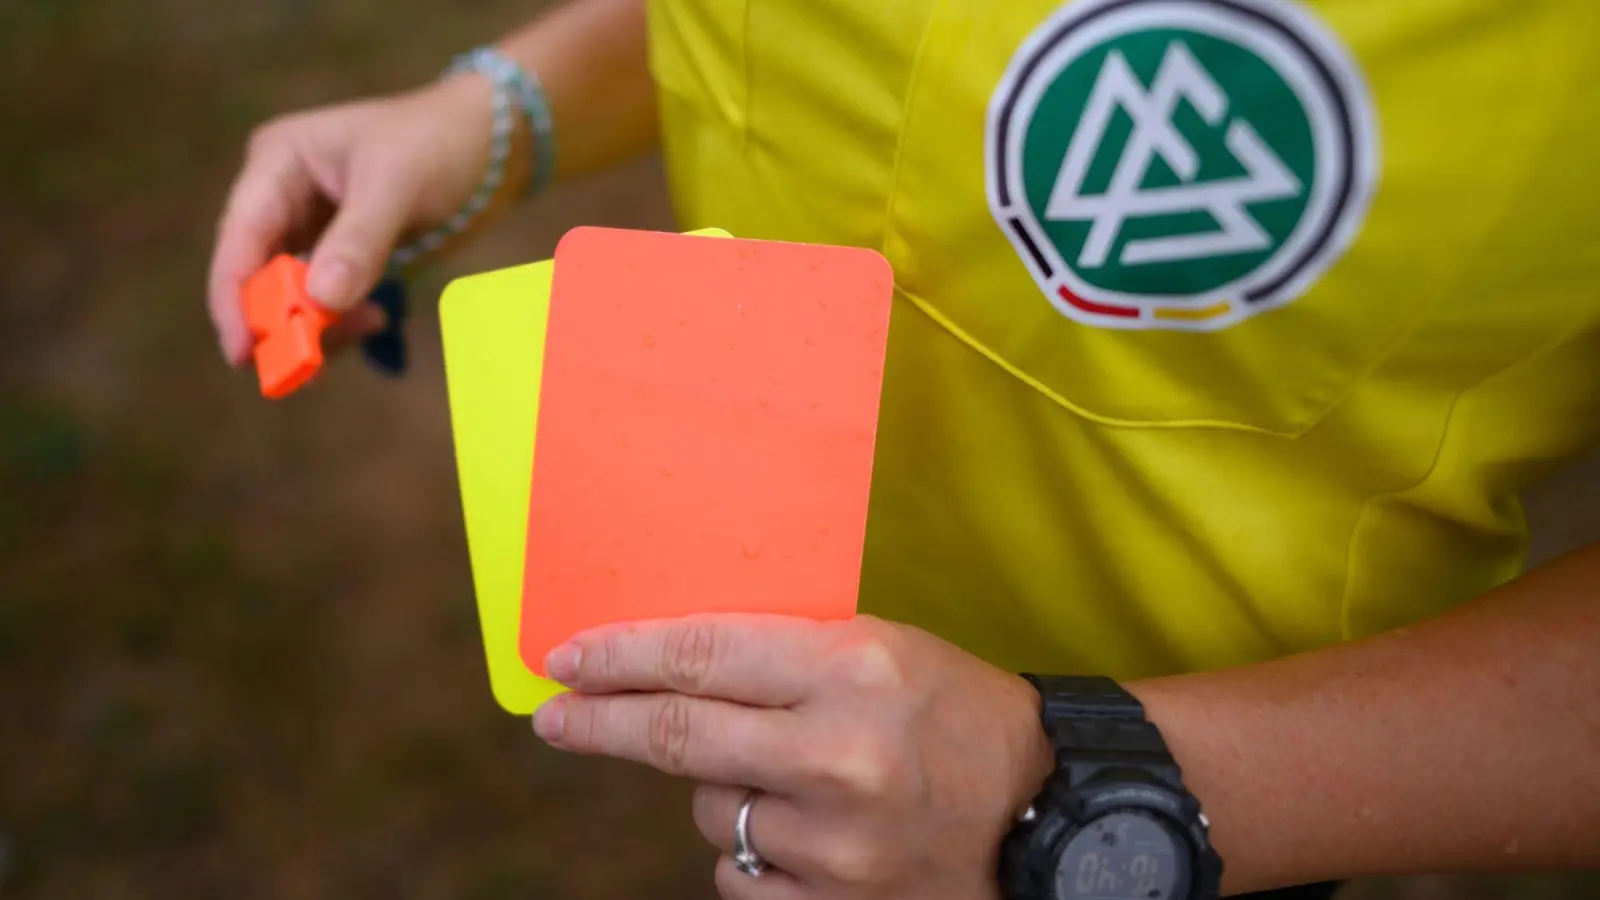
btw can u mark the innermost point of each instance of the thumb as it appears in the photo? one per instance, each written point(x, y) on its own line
point(350, 256)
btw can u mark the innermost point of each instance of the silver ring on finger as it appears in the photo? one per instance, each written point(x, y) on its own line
point(745, 856)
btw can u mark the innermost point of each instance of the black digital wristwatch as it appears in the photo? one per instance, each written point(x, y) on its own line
point(1114, 821)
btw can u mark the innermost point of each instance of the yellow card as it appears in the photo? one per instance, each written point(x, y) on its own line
point(493, 329)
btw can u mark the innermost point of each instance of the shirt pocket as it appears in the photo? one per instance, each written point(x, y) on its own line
point(1213, 213)
point(697, 56)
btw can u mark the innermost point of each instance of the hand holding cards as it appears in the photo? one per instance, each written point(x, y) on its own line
point(697, 414)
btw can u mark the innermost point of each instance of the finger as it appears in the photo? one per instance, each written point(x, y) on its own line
point(707, 740)
point(350, 257)
point(749, 659)
point(774, 884)
point(259, 213)
point(816, 851)
point(777, 829)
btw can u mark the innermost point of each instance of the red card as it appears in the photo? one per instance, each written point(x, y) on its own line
point(707, 416)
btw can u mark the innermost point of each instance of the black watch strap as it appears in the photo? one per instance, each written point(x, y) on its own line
point(1106, 752)
point(1091, 713)
point(1085, 696)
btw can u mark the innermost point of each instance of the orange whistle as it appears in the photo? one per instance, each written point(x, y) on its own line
point(287, 325)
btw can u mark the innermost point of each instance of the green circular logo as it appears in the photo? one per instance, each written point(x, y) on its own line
point(1179, 164)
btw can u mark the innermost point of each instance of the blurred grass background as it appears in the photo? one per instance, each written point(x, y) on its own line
point(238, 651)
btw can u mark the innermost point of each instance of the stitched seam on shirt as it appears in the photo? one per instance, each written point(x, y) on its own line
point(1352, 546)
point(746, 102)
point(905, 125)
point(1561, 338)
point(1097, 418)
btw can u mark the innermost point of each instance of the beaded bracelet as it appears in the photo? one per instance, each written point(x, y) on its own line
point(386, 350)
point(541, 125)
point(531, 98)
point(512, 86)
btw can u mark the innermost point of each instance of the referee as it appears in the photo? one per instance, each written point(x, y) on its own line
point(1227, 333)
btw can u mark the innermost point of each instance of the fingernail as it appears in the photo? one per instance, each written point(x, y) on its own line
point(549, 720)
point(329, 283)
point(562, 663)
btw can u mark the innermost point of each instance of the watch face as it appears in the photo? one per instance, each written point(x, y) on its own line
point(1123, 856)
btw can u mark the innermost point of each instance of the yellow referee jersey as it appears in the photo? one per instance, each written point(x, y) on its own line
point(1225, 328)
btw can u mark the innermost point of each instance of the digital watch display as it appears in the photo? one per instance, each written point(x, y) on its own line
point(1123, 856)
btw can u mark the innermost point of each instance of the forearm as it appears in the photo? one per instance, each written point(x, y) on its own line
point(1467, 743)
point(591, 56)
